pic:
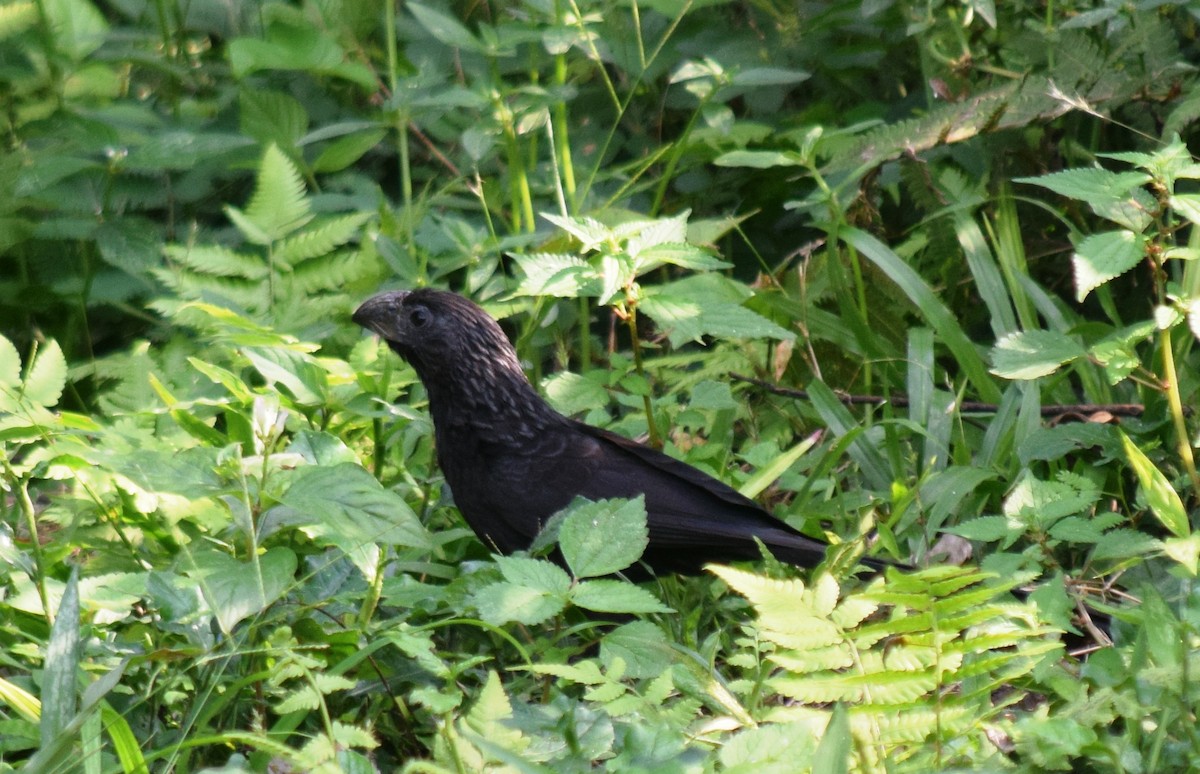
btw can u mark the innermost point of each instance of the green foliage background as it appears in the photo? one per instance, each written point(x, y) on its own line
point(965, 229)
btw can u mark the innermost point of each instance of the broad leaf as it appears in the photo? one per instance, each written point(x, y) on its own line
point(1032, 354)
point(603, 537)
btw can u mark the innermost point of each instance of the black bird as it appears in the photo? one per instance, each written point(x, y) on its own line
point(512, 461)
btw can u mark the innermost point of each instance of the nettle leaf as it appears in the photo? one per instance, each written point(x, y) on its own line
point(505, 602)
point(600, 538)
point(572, 393)
point(535, 573)
point(1033, 354)
point(1103, 257)
point(345, 504)
point(688, 311)
point(1117, 352)
point(557, 274)
point(616, 596)
point(1187, 205)
point(679, 254)
point(1090, 184)
point(641, 646)
point(236, 590)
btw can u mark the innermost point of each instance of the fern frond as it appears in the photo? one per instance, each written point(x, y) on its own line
point(279, 206)
point(218, 261)
point(319, 238)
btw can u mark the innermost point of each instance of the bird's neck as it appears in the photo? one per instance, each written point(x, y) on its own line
point(500, 409)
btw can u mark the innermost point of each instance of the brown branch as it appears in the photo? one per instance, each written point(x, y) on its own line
point(1082, 410)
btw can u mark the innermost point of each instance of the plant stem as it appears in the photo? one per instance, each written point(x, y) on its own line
point(1176, 405)
point(651, 427)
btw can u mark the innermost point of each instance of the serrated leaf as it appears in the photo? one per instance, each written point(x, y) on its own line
point(1090, 184)
point(279, 205)
point(1187, 205)
point(641, 645)
point(535, 573)
point(346, 505)
point(600, 538)
point(47, 376)
point(615, 596)
point(571, 393)
point(1162, 498)
point(320, 238)
point(1033, 354)
point(1103, 257)
point(504, 602)
point(557, 274)
point(684, 319)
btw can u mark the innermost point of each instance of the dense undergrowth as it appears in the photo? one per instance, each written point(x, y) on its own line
point(964, 230)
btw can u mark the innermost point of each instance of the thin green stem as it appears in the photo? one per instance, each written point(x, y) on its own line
point(21, 487)
point(1175, 402)
point(651, 427)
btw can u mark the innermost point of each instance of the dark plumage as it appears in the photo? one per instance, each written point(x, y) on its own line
point(512, 461)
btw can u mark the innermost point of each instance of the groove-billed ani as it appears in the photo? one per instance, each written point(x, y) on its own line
point(512, 461)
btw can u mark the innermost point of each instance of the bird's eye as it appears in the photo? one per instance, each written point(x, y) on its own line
point(419, 316)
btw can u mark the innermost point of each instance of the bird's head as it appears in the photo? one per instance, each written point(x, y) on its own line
point(445, 337)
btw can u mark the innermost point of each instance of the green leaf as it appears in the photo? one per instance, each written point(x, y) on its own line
point(536, 574)
point(279, 205)
point(759, 159)
point(768, 76)
point(1184, 550)
point(1125, 543)
point(343, 152)
point(345, 505)
point(571, 393)
point(1103, 257)
point(986, 528)
point(10, 366)
point(1090, 184)
point(47, 376)
point(707, 305)
point(600, 538)
point(557, 274)
point(1033, 354)
point(833, 751)
point(298, 372)
point(616, 596)
point(767, 475)
point(61, 670)
point(236, 590)
point(932, 308)
point(642, 646)
point(1187, 205)
point(504, 602)
point(1163, 500)
point(77, 27)
point(445, 28)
